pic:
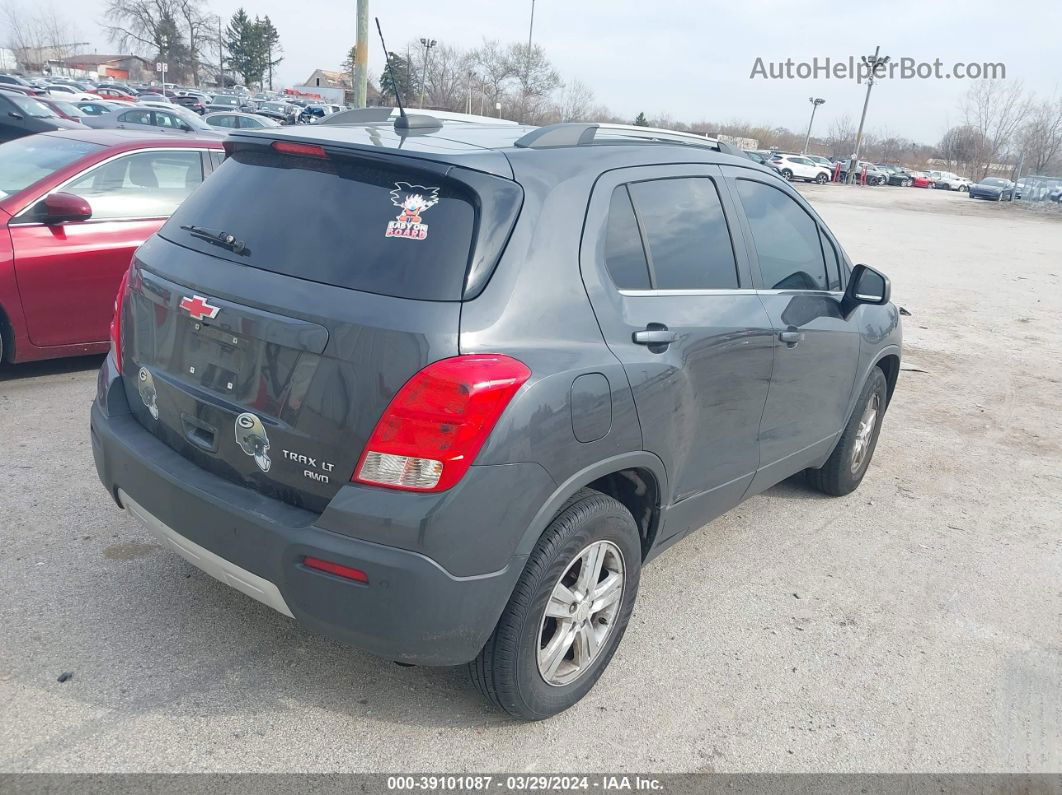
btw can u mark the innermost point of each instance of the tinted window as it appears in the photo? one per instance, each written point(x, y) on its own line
point(686, 232)
point(136, 117)
point(343, 210)
point(833, 262)
point(786, 238)
point(624, 255)
point(27, 160)
point(222, 121)
point(141, 185)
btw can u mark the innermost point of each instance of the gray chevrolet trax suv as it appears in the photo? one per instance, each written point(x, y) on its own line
point(439, 390)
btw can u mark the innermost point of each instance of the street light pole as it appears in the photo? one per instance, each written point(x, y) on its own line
point(874, 62)
point(427, 44)
point(530, 31)
point(815, 102)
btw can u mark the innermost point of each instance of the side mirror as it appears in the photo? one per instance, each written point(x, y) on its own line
point(866, 286)
point(61, 208)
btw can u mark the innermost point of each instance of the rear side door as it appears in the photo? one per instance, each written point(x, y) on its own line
point(667, 274)
point(798, 270)
point(68, 274)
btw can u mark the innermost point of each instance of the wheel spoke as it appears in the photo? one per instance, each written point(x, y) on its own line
point(586, 644)
point(551, 657)
point(590, 572)
point(560, 602)
point(607, 592)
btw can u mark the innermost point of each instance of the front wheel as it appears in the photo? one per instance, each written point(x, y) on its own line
point(844, 469)
point(822, 179)
point(787, 174)
point(905, 183)
point(964, 189)
point(568, 612)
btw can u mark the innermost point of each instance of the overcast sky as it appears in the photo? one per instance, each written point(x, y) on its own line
point(691, 59)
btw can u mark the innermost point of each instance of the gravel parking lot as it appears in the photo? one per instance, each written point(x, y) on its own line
point(912, 626)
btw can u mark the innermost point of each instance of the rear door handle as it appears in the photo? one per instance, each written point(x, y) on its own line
point(655, 334)
point(791, 338)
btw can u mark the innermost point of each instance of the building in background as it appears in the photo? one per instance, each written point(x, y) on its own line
point(116, 67)
point(333, 86)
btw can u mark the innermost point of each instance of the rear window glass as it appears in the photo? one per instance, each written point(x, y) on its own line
point(350, 223)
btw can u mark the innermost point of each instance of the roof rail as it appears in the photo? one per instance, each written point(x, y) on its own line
point(587, 133)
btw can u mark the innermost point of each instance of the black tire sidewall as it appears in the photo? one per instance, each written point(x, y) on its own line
point(601, 519)
point(848, 481)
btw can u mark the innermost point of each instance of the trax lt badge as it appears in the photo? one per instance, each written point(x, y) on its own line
point(198, 308)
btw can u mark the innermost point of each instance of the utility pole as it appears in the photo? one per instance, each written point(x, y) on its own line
point(427, 44)
point(874, 62)
point(361, 56)
point(815, 102)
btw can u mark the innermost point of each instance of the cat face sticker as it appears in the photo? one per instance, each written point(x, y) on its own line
point(414, 200)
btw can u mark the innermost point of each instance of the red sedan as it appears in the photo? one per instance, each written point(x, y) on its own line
point(113, 94)
point(74, 205)
point(920, 179)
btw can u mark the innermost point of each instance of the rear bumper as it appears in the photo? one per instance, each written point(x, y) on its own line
point(412, 610)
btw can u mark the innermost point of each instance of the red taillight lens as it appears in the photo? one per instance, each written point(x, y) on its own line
point(306, 150)
point(116, 321)
point(434, 427)
point(337, 569)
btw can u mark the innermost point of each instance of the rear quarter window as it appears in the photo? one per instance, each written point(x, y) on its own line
point(351, 223)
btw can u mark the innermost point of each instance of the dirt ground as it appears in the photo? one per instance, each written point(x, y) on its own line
point(912, 626)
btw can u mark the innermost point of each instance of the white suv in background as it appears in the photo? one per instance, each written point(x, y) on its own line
point(800, 167)
point(949, 181)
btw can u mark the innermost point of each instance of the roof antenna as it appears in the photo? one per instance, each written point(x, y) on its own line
point(391, 73)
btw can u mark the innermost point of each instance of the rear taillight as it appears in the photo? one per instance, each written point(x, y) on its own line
point(434, 427)
point(306, 150)
point(116, 321)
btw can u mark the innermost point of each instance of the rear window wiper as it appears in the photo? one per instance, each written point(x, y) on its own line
point(218, 237)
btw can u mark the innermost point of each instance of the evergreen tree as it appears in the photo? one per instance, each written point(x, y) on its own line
point(399, 72)
point(641, 121)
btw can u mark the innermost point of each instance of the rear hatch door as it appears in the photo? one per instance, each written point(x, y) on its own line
point(271, 321)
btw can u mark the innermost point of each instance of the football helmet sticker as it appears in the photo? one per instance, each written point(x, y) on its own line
point(145, 384)
point(252, 439)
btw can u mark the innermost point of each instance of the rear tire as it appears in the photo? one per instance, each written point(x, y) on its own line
point(848, 463)
point(512, 669)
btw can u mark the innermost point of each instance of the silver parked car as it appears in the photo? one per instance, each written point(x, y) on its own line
point(239, 121)
point(137, 117)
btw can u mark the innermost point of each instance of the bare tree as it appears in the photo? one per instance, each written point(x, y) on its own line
point(151, 28)
point(534, 79)
point(199, 30)
point(493, 72)
point(995, 110)
point(576, 103)
point(842, 135)
point(1041, 137)
point(37, 36)
point(959, 148)
point(446, 81)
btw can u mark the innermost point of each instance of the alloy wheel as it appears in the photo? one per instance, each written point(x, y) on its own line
point(581, 613)
point(865, 433)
